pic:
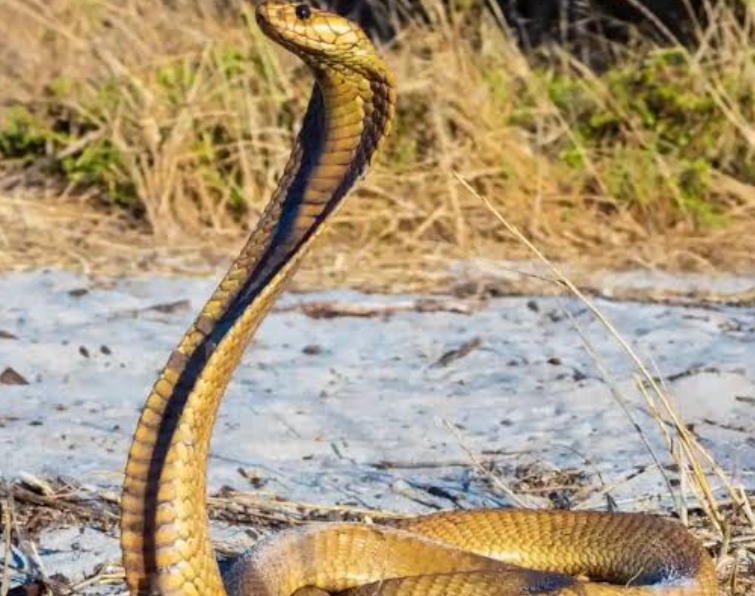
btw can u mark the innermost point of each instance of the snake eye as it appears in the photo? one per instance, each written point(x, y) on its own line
point(303, 12)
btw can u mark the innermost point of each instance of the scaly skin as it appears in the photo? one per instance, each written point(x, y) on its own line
point(164, 527)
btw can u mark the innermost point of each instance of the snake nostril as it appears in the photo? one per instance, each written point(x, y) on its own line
point(303, 12)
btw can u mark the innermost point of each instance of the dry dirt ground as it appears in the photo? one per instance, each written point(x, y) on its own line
point(369, 406)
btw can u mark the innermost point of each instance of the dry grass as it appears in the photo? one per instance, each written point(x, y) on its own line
point(178, 119)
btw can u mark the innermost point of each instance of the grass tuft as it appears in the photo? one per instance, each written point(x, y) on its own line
point(181, 117)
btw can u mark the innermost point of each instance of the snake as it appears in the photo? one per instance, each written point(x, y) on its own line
point(165, 536)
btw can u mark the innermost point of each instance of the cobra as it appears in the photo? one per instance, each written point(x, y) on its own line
point(164, 525)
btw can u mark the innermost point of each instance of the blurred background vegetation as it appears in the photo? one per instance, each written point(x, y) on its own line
point(620, 133)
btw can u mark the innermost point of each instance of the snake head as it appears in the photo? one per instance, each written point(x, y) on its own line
point(325, 41)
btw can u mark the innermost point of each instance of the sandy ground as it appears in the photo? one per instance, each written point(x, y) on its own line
point(387, 411)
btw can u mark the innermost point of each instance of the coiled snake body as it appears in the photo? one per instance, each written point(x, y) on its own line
point(164, 528)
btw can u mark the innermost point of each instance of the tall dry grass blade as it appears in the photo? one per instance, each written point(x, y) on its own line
point(693, 451)
point(623, 403)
